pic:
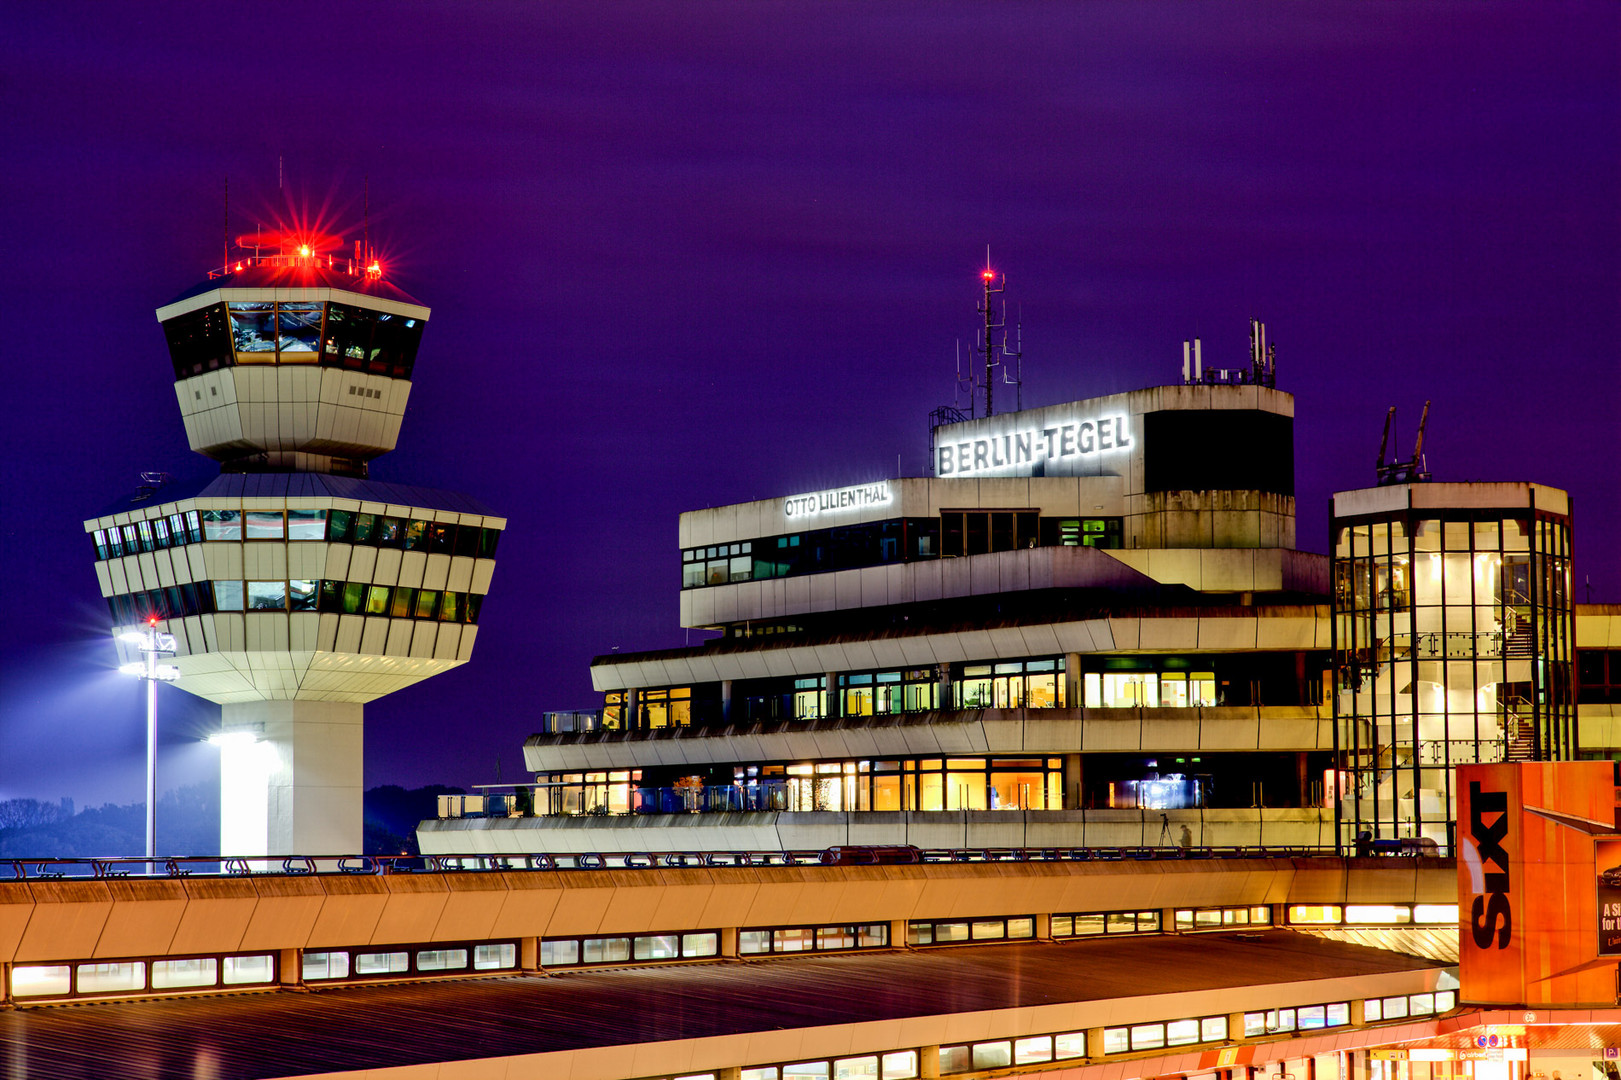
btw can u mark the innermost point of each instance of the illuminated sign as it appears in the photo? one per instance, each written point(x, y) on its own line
point(1490, 915)
point(1607, 854)
point(836, 499)
point(1032, 446)
point(1530, 890)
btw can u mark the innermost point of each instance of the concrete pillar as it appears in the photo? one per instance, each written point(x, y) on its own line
point(1044, 927)
point(1167, 920)
point(730, 1072)
point(5, 986)
point(897, 934)
point(1094, 1043)
point(726, 701)
point(835, 700)
point(633, 702)
point(1072, 782)
point(946, 704)
point(1073, 683)
point(1235, 1027)
point(297, 786)
point(928, 1062)
point(529, 954)
point(728, 942)
point(290, 969)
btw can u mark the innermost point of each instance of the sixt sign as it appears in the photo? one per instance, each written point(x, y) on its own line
point(1019, 451)
point(1491, 917)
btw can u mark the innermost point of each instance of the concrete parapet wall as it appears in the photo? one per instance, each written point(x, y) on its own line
point(52, 920)
point(777, 831)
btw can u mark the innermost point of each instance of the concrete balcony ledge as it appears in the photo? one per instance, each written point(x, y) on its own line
point(777, 830)
point(1286, 728)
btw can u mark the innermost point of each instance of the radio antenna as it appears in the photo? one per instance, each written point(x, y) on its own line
point(1015, 379)
point(225, 240)
point(987, 340)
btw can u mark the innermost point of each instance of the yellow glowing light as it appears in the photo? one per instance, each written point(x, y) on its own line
point(304, 250)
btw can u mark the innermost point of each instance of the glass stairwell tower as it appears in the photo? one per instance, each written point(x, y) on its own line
point(1453, 643)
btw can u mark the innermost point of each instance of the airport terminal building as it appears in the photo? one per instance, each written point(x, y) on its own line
point(1090, 627)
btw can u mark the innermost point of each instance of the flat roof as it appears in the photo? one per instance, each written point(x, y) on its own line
point(343, 1028)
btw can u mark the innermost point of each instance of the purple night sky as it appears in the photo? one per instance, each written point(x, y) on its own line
point(686, 255)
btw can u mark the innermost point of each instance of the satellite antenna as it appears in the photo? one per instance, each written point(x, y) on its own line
point(1414, 470)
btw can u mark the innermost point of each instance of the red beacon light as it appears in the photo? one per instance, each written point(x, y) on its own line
point(987, 273)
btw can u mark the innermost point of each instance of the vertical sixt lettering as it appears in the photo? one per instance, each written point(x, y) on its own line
point(1490, 915)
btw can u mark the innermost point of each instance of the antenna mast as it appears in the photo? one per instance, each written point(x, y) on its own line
point(1415, 470)
point(987, 340)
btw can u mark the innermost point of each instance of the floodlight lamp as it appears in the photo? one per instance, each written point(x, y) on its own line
point(132, 669)
point(232, 738)
point(167, 672)
point(164, 642)
point(132, 637)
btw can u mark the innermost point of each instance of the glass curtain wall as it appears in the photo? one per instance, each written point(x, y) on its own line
point(1452, 644)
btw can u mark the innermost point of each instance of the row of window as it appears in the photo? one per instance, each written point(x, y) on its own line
point(1157, 1036)
point(896, 1065)
point(293, 332)
point(1220, 918)
point(1003, 1053)
point(139, 976)
point(905, 784)
point(1036, 683)
point(1304, 1018)
point(334, 526)
point(1373, 914)
point(793, 939)
point(332, 597)
point(1402, 1006)
point(438, 960)
point(849, 547)
point(1087, 924)
point(957, 931)
point(640, 948)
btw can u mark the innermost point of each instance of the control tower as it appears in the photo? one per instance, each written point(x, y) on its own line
point(296, 589)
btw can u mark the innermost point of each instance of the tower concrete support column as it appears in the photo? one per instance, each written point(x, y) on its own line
point(296, 786)
point(1074, 685)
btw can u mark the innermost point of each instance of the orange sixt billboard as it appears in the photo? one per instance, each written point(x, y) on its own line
point(1531, 914)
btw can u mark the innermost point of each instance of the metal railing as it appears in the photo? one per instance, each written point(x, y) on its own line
point(300, 865)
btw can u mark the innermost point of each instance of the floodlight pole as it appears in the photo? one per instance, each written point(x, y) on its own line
point(151, 677)
point(151, 644)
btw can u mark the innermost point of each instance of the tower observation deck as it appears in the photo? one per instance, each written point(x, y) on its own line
point(296, 587)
